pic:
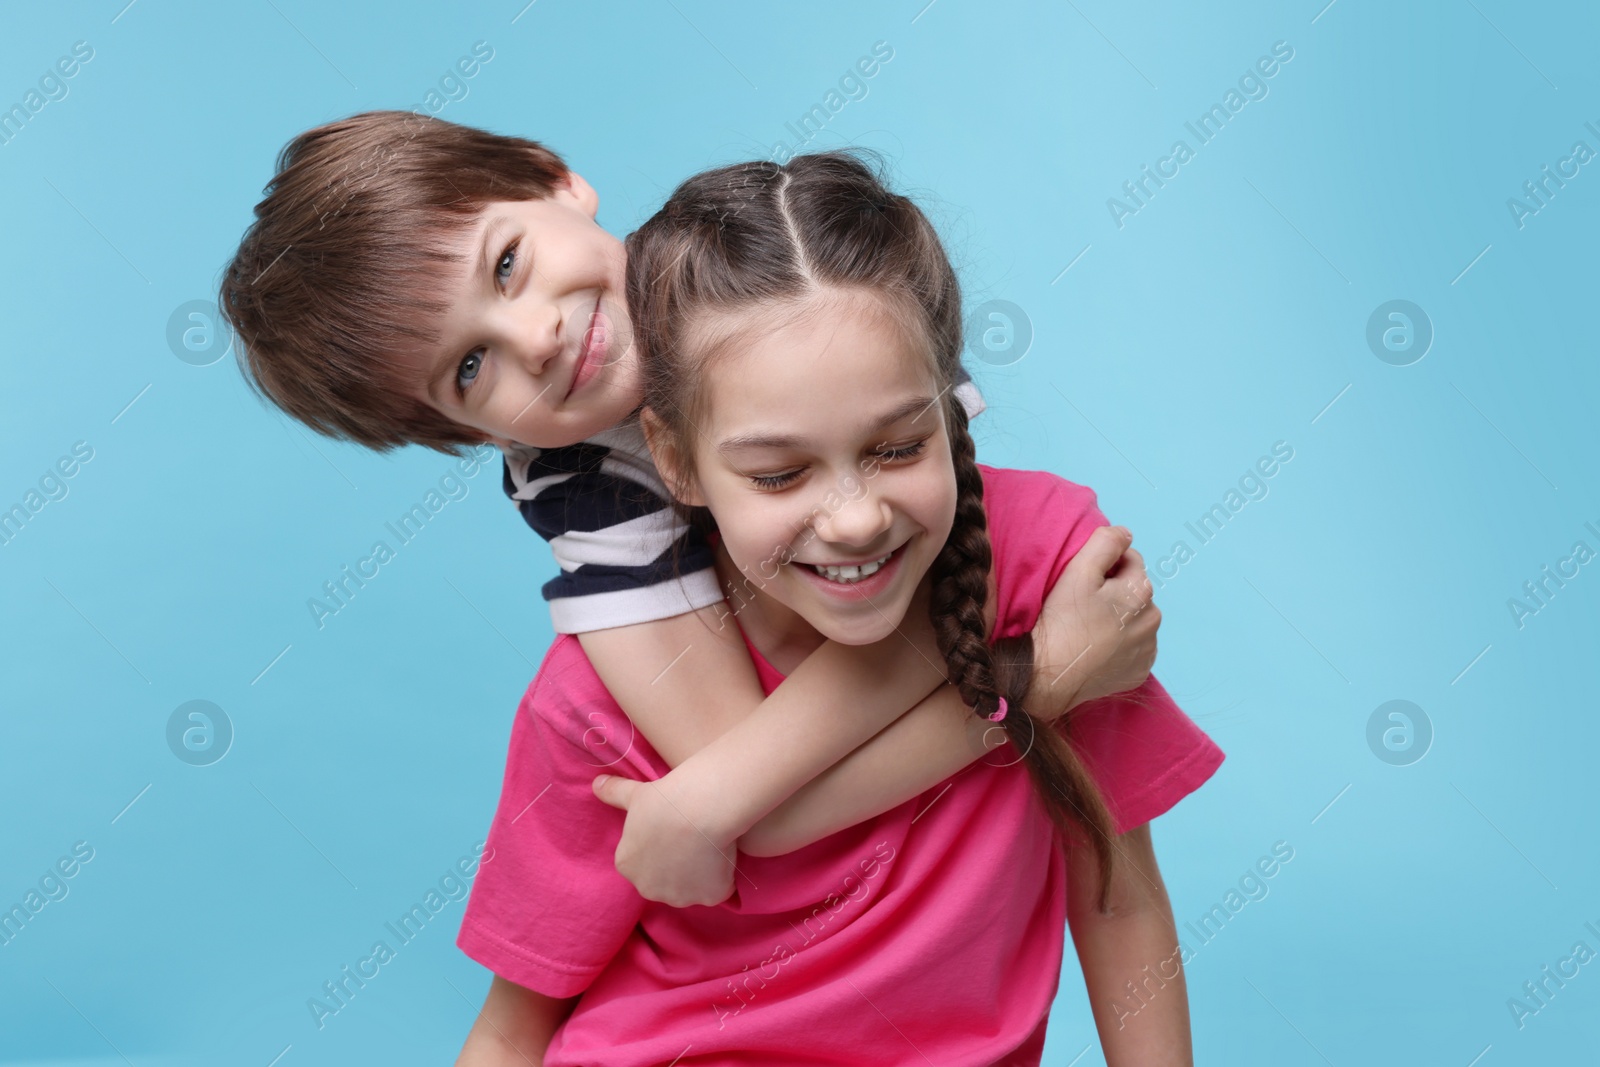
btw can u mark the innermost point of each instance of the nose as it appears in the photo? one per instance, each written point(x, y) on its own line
point(532, 336)
point(859, 522)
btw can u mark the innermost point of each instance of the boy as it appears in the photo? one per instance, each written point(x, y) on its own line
point(408, 280)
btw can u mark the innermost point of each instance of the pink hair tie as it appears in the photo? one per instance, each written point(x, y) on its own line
point(1000, 713)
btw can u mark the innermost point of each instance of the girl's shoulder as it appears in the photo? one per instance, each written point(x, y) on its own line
point(1015, 492)
point(570, 714)
point(1037, 522)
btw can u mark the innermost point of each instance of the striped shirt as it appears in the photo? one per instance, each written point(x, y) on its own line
point(626, 555)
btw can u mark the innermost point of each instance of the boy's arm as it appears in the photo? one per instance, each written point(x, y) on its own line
point(1095, 636)
point(514, 1028)
point(689, 686)
point(928, 744)
point(684, 681)
point(1134, 944)
point(687, 681)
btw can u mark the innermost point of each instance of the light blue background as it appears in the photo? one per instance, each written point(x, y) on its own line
point(1227, 314)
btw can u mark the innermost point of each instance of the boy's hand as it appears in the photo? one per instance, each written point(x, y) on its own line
point(1098, 626)
point(669, 851)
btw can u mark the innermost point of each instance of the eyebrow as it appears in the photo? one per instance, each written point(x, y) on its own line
point(481, 272)
point(914, 406)
point(440, 378)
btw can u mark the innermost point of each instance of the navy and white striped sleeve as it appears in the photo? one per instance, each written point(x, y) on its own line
point(625, 554)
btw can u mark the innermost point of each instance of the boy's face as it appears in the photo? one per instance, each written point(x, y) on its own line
point(536, 347)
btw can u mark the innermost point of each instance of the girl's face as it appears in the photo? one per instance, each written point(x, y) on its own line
point(822, 455)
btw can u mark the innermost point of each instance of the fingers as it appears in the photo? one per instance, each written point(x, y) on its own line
point(1132, 570)
point(615, 791)
point(1130, 561)
point(1103, 550)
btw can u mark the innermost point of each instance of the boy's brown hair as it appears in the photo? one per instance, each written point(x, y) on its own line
point(330, 286)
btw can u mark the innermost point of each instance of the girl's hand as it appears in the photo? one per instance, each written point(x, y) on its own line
point(1098, 626)
point(672, 849)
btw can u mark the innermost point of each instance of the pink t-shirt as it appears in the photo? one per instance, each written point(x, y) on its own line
point(931, 933)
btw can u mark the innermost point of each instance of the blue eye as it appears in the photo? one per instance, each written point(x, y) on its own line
point(507, 263)
point(471, 364)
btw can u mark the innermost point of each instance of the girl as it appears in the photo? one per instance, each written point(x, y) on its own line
point(800, 327)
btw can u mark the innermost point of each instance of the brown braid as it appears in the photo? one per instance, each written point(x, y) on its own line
point(760, 234)
point(984, 674)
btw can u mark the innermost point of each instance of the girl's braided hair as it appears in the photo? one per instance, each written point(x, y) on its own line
point(763, 234)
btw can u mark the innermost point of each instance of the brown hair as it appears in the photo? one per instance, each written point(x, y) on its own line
point(330, 284)
point(760, 234)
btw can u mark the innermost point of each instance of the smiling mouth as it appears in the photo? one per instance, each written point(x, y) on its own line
point(594, 339)
point(849, 574)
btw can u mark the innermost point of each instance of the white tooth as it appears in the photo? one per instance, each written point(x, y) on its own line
point(849, 574)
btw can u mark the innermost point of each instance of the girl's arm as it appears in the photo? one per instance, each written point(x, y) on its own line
point(514, 1028)
point(1132, 964)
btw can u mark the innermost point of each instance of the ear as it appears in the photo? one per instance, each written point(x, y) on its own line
point(668, 462)
point(582, 193)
